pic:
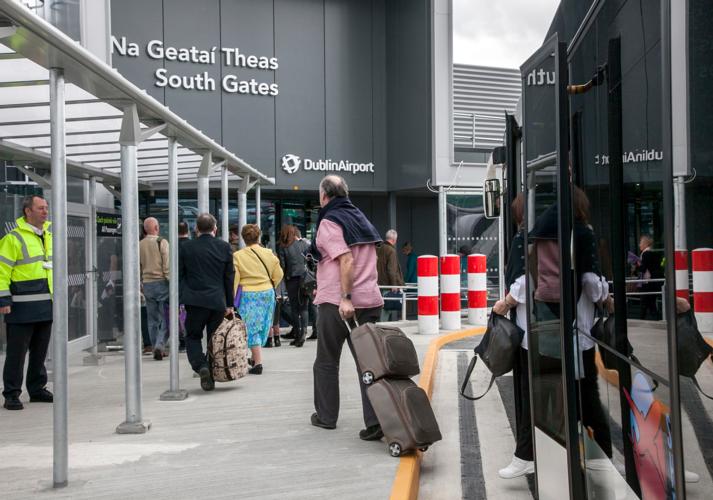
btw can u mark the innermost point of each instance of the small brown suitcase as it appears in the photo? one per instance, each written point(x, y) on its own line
point(405, 414)
point(383, 351)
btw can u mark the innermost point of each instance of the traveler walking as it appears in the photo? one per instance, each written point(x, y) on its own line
point(345, 247)
point(522, 461)
point(153, 254)
point(389, 274)
point(26, 302)
point(649, 268)
point(206, 275)
point(311, 306)
point(291, 253)
point(183, 237)
point(411, 263)
point(234, 237)
point(258, 272)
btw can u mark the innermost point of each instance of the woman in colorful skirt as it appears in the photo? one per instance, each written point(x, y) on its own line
point(258, 272)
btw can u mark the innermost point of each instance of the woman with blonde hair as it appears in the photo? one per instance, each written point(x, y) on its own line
point(258, 272)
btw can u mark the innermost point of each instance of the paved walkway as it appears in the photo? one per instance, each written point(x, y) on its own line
point(248, 439)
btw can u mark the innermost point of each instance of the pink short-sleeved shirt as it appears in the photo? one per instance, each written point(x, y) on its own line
point(365, 291)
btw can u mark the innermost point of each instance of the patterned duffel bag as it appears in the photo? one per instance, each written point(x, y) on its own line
point(228, 350)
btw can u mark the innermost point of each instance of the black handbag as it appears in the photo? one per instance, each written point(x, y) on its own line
point(692, 349)
point(498, 350)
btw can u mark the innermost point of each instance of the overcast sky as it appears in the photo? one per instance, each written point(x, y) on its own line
point(502, 33)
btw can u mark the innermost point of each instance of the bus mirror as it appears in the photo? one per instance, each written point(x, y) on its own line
point(499, 155)
point(491, 198)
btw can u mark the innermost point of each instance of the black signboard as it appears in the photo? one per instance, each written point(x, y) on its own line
point(108, 225)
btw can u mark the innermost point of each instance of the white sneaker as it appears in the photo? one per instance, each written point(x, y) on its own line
point(517, 468)
point(691, 477)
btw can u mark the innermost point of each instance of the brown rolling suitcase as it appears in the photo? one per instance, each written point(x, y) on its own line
point(405, 414)
point(383, 351)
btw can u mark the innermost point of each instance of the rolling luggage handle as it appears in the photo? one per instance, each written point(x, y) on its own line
point(356, 323)
point(466, 380)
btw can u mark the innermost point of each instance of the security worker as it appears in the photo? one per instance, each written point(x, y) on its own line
point(26, 302)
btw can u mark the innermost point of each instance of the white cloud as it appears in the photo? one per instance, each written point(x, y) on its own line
point(502, 33)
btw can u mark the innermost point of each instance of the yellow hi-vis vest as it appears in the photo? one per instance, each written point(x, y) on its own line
point(26, 273)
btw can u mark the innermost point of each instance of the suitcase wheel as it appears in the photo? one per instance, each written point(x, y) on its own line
point(424, 448)
point(367, 377)
point(395, 449)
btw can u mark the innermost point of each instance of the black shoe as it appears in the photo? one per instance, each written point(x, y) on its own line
point(13, 404)
point(269, 343)
point(371, 433)
point(158, 354)
point(207, 382)
point(256, 370)
point(318, 423)
point(289, 335)
point(44, 396)
point(298, 342)
point(313, 336)
point(277, 341)
point(251, 362)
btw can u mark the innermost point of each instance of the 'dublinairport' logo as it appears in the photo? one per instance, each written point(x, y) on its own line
point(291, 163)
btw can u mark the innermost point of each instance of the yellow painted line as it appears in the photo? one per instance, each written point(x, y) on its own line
point(408, 474)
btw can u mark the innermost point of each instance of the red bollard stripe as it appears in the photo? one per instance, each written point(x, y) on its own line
point(477, 299)
point(702, 260)
point(427, 266)
point(450, 302)
point(477, 264)
point(680, 260)
point(428, 306)
point(450, 264)
point(682, 294)
point(703, 302)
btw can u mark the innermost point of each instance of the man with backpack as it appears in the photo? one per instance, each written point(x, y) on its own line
point(153, 254)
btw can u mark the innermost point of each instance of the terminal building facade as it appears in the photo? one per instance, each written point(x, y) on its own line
point(298, 89)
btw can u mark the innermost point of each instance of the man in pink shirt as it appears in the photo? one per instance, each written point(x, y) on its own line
point(345, 247)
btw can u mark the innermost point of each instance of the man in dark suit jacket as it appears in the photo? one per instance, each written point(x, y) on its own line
point(206, 276)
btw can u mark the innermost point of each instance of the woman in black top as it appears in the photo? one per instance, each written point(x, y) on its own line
point(291, 252)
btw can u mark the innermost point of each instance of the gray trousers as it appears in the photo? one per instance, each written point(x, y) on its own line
point(156, 294)
point(332, 334)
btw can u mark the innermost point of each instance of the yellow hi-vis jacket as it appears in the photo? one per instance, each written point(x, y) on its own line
point(26, 273)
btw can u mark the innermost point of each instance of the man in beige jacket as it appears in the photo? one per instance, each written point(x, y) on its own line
point(153, 252)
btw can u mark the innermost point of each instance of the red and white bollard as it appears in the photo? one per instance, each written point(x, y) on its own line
point(702, 263)
point(680, 264)
point(450, 292)
point(427, 272)
point(477, 290)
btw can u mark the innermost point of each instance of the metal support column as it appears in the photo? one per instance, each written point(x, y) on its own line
point(204, 183)
point(258, 201)
point(224, 219)
point(129, 139)
point(60, 325)
point(243, 205)
point(93, 358)
point(679, 203)
point(174, 393)
point(392, 210)
point(442, 222)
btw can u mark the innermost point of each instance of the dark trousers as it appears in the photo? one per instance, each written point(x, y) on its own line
point(298, 307)
point(332, 334)
point(21, 338)
point(198, 318)
point(523, 417)
point(593, 414)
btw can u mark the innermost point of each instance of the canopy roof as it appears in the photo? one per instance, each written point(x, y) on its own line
point(95, 95)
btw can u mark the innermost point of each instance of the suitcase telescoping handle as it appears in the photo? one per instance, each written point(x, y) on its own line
point(466, 380)
point(349, 327)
